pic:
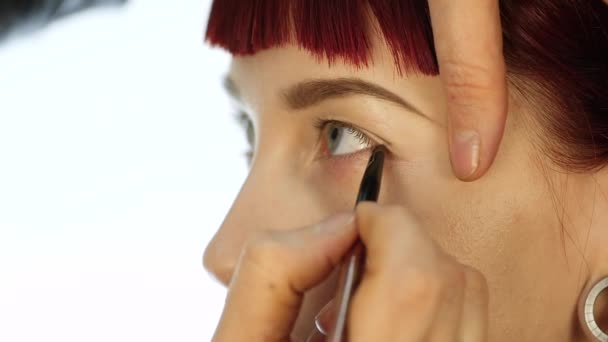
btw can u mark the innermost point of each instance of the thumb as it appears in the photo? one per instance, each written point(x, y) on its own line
point(274, 271)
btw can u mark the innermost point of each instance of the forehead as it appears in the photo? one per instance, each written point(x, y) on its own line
point(262, 78)
point(280, 67)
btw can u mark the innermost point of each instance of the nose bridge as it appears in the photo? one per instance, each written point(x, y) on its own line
point(264, 202)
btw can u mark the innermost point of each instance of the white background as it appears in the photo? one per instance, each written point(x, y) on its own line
point(118, 160)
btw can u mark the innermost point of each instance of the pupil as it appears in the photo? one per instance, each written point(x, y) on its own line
point(334, 133)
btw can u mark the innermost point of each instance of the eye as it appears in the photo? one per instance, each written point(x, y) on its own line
point(338, 138)
point(342, 139)
point(245, 122)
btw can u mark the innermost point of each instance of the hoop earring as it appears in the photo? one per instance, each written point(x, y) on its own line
point(588, 310)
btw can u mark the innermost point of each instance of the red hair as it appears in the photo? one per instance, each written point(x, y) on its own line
point(556, 52)
point(329, 29)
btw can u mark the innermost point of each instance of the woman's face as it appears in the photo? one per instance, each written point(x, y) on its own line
point(314, 124)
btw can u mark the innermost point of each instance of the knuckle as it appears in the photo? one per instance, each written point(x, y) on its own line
point(266, 259)
point(454, 282)
point(264, 248)
point(466, 83)
point(366, 210)
point(395, 212)
point(368, 216)
point(425, 287)
point(466, 75)
point(455, 275)
point(476, 284)
point(380, 226)
point(418, 288)
point(385, 217)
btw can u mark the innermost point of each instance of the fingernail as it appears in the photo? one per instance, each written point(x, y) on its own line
point(320, 327)
point(326, 318)
point(336, 224)
point(319, 321)
point(465, 153)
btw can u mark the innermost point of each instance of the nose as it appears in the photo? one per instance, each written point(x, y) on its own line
point(217, 262)
point(266, 202)
point(249, 213)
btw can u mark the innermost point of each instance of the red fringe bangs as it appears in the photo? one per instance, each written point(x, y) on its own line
point(329, 29)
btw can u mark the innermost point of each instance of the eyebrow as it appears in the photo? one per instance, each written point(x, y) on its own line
point(309, 93)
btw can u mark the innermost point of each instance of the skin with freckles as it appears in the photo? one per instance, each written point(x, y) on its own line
point(534, 231)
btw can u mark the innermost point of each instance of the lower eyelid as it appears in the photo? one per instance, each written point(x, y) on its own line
point(346, 166)
point(360, 154)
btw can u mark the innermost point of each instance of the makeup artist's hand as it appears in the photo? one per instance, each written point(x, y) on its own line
point(411, 290)
point(468, 41)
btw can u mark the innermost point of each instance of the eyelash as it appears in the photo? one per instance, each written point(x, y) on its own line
point(244, 121)
point(320, 125)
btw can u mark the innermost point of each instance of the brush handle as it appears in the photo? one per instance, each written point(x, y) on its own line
point(353, 263)
point(349, 278)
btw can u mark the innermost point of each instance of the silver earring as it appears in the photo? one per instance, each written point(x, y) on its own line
point(589, 304)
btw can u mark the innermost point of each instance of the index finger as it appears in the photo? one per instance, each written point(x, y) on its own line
point(274, 272)
point(468, 41)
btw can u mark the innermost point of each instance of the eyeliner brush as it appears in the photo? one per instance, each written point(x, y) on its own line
point(354, 262)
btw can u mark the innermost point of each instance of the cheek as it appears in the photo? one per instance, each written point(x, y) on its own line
point(337, 180)
point(471, 221)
